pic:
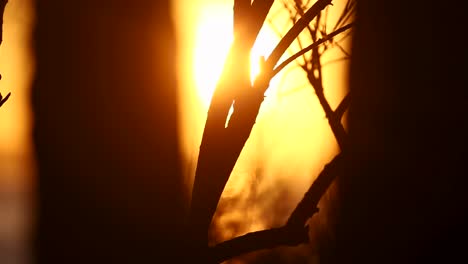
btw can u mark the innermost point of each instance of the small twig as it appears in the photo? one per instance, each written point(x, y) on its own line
point(297, 28)
point(293, 18)
point(342, 49)
point(3, 100)
point(308, 48)
point(348, 11)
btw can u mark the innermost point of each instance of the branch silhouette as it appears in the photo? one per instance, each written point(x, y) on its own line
point(3, 3)
point(317, 43)
point(3, 100)
point(221, 145)
point(2, 10)
point(295, 231)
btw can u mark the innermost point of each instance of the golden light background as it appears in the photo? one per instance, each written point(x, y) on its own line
point(291, 140)
point(16, 163)
point(289, 144)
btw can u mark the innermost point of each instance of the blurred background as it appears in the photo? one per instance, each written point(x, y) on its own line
point(291, 140)
point(400, 135)
point(16, 160)
point(289, 145)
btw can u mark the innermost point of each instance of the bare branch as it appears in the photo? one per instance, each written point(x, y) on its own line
point(308, 48)
point(296, 29)
point(342, 49)
point(293, 16)
point(2, 10)
point(308, 205)
point(3, 100)
point(348, 11)
point(294, 232)
point(342, 107)
point(265, 239)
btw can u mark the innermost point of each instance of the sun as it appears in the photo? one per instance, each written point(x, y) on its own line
point(213, 39)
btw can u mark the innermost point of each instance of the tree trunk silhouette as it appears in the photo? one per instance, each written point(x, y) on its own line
point(105, 135)
point(402, 197)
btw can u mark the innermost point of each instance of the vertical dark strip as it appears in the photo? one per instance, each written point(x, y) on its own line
point(402, 199)
point(105, 135)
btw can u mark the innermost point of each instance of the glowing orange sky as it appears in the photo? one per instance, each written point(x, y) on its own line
point(291, 139)
point(16, 67)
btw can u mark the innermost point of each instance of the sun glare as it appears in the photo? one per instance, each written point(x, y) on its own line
point(213, 39)
point(290, 128)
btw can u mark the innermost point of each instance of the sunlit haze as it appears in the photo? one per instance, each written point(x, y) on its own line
point(212, 41)
point(16, 170)
point(289, 144)
point(291, 140)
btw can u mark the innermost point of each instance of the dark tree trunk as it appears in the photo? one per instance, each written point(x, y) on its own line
point(105, 135)
point(402, 199)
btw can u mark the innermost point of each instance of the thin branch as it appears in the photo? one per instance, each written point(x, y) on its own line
point(348, 11)
point(342, 49)
point(299, 7)
point(327, 63)
point(3, 3)
point(265, 239)
point(342, 107)
point(292, 34)
point(246, 106)
point(3, 100)
point(324, 30)
point(274, 28)
point(293, 16)
point(295, 231)
point(2, 10)
point(310, 47)
point(307, 207)
point(343, 37)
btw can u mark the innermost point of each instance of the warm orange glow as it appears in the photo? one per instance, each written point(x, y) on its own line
point(213, 38)
point(291, 139)
point(16, 155)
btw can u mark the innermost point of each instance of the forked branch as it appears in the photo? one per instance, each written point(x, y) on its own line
point(317, 43)
point(294, 232)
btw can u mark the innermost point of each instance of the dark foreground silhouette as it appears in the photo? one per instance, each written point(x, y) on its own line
point(109, 184)
point(104, 102)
